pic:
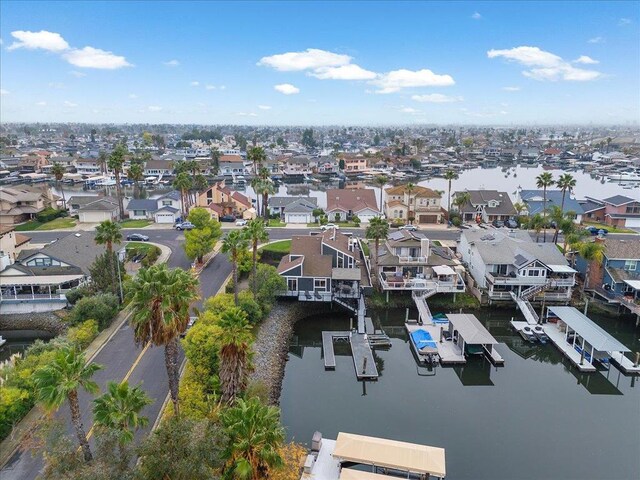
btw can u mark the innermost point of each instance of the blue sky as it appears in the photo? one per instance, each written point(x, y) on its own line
point(307, 63)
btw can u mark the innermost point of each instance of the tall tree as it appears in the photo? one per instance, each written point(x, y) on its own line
point(215, 160)
point(136, 175)
point(115, 163)
point(536, 222)
point(60, 380)
point(266, 188)
point(183, 183)
point(234, 343)
point(58, 173)
point(377, 230)
point(119, 409)
point(255, 438)
point(256, 233)
point(380, 181)
point(234, 244)
point(462, 198)
point(160, 299)
point(544, 181)
point(449, 176)
point(257, 156)
point(108, 233)
point(102, 161)
point(411, 214)
point(590, 252)
point(566, 183)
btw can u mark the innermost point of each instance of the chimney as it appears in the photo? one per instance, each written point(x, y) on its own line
point(424, 247)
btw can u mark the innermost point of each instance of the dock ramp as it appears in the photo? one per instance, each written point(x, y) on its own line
point(526, 308)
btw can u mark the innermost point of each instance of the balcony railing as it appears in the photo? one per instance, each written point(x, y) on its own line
point(517, 280)
point(35, 296)
point(405, 259)
point(394, 283)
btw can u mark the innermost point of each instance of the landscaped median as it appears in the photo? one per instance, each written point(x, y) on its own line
point(609, 228)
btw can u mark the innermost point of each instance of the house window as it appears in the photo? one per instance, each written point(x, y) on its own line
point(139, 213)
point(40, 262)
point(292, 284)
point(630, 265)
point(320, 284)
point(167, 203)
point(534, 273)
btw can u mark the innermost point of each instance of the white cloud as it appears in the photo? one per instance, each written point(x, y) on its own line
point(222, 87)
point(154, 108)
point(596, 40)
point(41, 104)
point(409, 110)
point(286, 89)
point(511, 89)
point(398, 79)
point(250, 114)
point(476, 16)
point(624, 21)
point(4, 92)
point(310, 59)
point(89, 57)
point(264, 107)
point(210, 87)
point(69, 104)
point(195, 83)
point(133, 96)
point(77, 74)
point(586, 60)
point(171, 63)
point(50, 41)
point(546, 65)
point(436, 98)
point(344, 72)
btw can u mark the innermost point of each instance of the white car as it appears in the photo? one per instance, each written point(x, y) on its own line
point(241, 223)
point(411, 228)
point(329, 226)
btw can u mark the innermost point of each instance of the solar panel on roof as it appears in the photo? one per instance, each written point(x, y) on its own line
point(396, 235)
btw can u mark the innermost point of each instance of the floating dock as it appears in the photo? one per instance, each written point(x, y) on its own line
point(450, 353)
point(327, 347)
point(361, 351)
point(558, 339)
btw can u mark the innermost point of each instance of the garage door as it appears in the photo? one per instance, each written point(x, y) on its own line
point(428, 219)
point(164, 218)
point(632, 223)
point(297, 218)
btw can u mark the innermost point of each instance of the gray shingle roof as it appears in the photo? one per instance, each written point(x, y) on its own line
point(618, 200)
point(533, 199)
point(300, 205)
point(622, 249)
point(142, 204)
point(483, 197)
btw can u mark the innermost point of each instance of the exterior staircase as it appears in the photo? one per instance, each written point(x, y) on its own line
point(420, 299)
point(526, 308)
point(532, 291)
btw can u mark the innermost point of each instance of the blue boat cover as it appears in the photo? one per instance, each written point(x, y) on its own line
point(422, 339)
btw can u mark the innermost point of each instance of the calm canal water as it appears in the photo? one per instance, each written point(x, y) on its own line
point(535, 418)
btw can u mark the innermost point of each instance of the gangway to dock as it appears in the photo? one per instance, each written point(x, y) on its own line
point(420, 299)
point(526, 308)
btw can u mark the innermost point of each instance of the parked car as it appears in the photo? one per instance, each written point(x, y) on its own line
point(411, 228)
point(498, 223)
point(597, 231)
point(185, 226)
point(137, 237)
point(511, 223)
point(329, 226)
point(227, 218)
point(241, 222)
point(192, 320)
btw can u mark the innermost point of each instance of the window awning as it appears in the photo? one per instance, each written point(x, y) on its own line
point(403, 456)
point(561, 269)
point(37, 280)
point(443, 270)
point(635, 284)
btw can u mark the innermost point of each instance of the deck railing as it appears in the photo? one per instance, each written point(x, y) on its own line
point(407, 259)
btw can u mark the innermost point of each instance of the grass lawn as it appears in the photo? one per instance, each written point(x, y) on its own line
point(340, 224)
point(275, 222)
point(55, 224)
point(142, 247)
point(135, 223)
point(610, 228)
point(283, 246)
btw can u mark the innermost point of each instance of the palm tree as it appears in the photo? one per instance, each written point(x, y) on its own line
point(257, 156)
point(60, 380)
point(58, 173)
point(255, 232)
point(115, 163)
point(450, 175)
point(119, 409)
point(590, 252)
point(409, 188)
point(160, 299)
point(462, 198)
point(234, 244)
point(377, 230)
point(536, 222)
point(519, 207)
point(543, 181)
point(108, 233)
point(102, 161)
point(566, 182)
point(380, 181)
point(254, 439)
point(234, 344)
point(183, 182)
point(215, 159)
point(136, 175)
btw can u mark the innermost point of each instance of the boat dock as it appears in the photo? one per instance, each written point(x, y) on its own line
point(363, 357)
point(558, 339)
point(327, 347)
point(450, 354)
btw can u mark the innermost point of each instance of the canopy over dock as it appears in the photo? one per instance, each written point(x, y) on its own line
point(587, 329)
point(380, 452)
point(348, 474)
point(470, 328)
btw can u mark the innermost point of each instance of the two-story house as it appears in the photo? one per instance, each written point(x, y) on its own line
point(419, 204)
point(89, 167)
point(619, 210)
point(164, 209)
point(11, 243)
point(297, 166)
point(354, 164)
point(533, 200)
point(506, 262)
point(32, 163)
point(157, 168)
point(230, 165)
point(410, 261)
point(323, 268)
point(343, 204)
point(486, 206)
point(221, 200)
point(20, 203)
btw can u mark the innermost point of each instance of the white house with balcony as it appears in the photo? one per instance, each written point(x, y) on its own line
point(507, 265)
point(410, 261)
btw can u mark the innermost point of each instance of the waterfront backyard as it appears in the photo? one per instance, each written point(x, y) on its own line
point(535, 418)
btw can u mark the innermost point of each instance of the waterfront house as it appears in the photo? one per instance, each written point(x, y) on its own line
point(221, 200)
point(88, 166)
point(11, 244)
point(343, 204)
point(354, 164)
point(32, 163)
point(320, 268)
point(410, 261)
point(533, 200)
point(486, 206)
point(502, 262)
point(39, 278)
point(618, 210)
point(297, 166)
point(99, 210)
point(20, 203)
point(158, 168)
point(421, 204)
point(230, 165)
point(165, 209)
point(293, 209)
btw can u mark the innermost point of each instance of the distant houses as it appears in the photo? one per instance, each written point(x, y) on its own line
point(221, 200)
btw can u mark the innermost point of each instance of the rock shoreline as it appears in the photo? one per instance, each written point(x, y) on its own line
point(271, 346)
point(47, 321)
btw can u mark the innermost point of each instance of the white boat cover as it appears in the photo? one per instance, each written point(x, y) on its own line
point(587, 329)
point(470, 328)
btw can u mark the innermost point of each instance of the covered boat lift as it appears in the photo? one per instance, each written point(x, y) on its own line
point(467, 331)
point(583, 341)
point(380, 453)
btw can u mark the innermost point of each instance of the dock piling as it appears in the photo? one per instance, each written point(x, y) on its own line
point(635, 364)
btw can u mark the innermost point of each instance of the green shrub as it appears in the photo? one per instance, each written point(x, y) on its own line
point(102, 308)
point(76, 294)
point(82, 335)
point(49, 214)
point(14, 404)
point(250, 306)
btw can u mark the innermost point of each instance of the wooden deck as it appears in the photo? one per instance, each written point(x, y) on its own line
point(448, 351)
point(327, 347)
point(558, 339)
point(363, 360)
point(624, 363)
